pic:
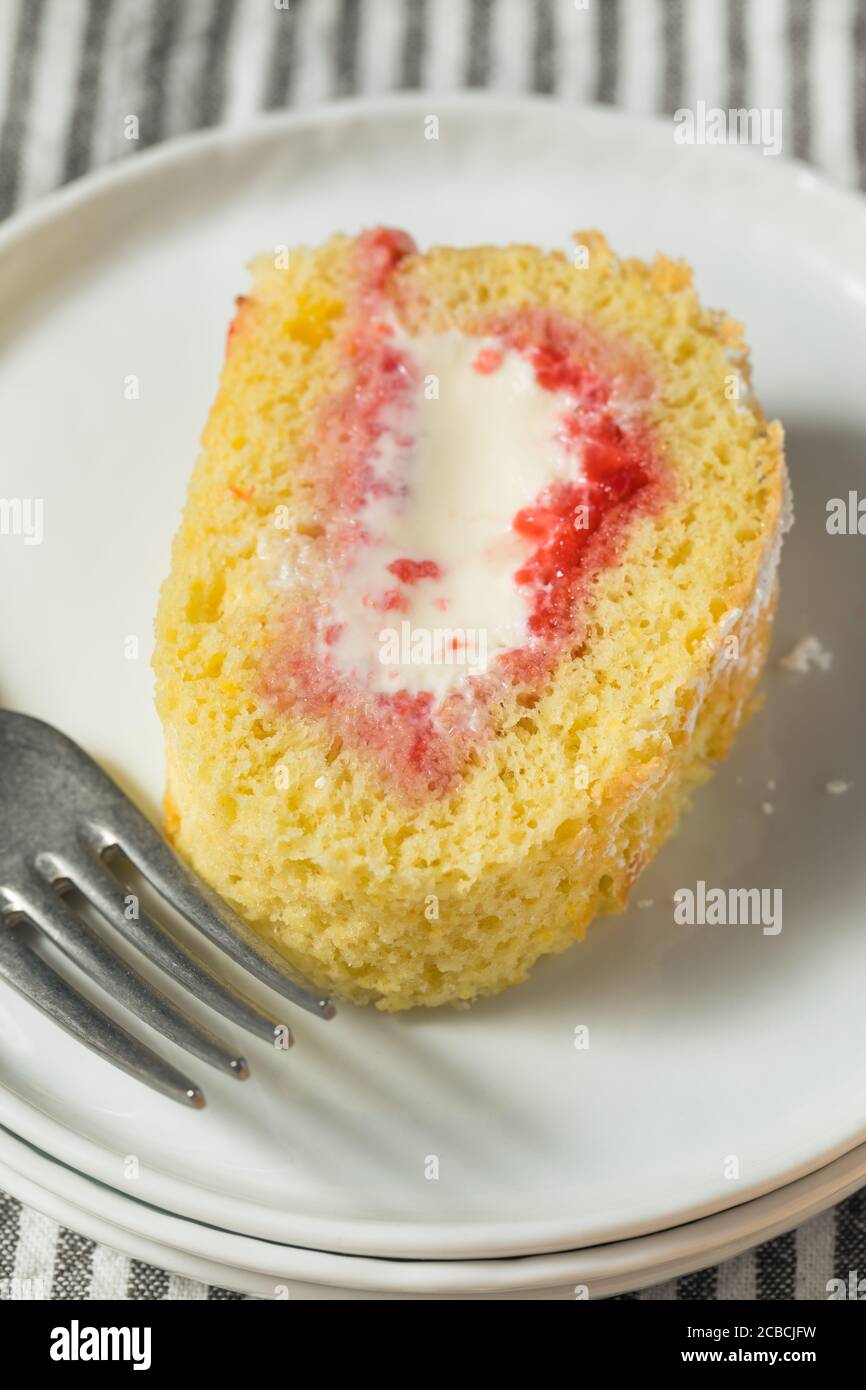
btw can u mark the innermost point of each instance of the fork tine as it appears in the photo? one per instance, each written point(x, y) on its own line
point(99, 885)
point(46, 910)
point(204, 909)
point(26, 971)
point(55, 779)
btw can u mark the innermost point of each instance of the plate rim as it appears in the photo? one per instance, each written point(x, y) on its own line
point(180, 148)
point(362, 1237)
point(606, 1269)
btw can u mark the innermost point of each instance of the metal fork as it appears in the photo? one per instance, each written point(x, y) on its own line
point(60, 815)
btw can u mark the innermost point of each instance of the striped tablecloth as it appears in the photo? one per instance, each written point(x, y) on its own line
point(71, 71)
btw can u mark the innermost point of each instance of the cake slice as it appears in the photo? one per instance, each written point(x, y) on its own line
point(473, 585)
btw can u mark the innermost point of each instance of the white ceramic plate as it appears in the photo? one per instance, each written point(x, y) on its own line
point(714, 1051)
point(270, 1270)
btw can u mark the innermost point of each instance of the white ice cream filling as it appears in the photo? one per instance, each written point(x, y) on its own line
point(459, 454)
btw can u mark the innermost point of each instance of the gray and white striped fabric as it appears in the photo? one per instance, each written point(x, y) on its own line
point(72, 71)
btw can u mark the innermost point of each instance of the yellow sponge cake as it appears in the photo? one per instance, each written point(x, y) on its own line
point(473, 584)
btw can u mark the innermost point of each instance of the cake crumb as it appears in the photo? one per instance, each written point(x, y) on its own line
point(645, 902)
point(807, 653)
point(768, 808)
point(837, 787)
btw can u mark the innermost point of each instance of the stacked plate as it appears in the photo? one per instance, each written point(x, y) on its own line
point(661, 1097)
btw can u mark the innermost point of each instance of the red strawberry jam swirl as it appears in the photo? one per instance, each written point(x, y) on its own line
point(571, 531)
point(577, 526)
